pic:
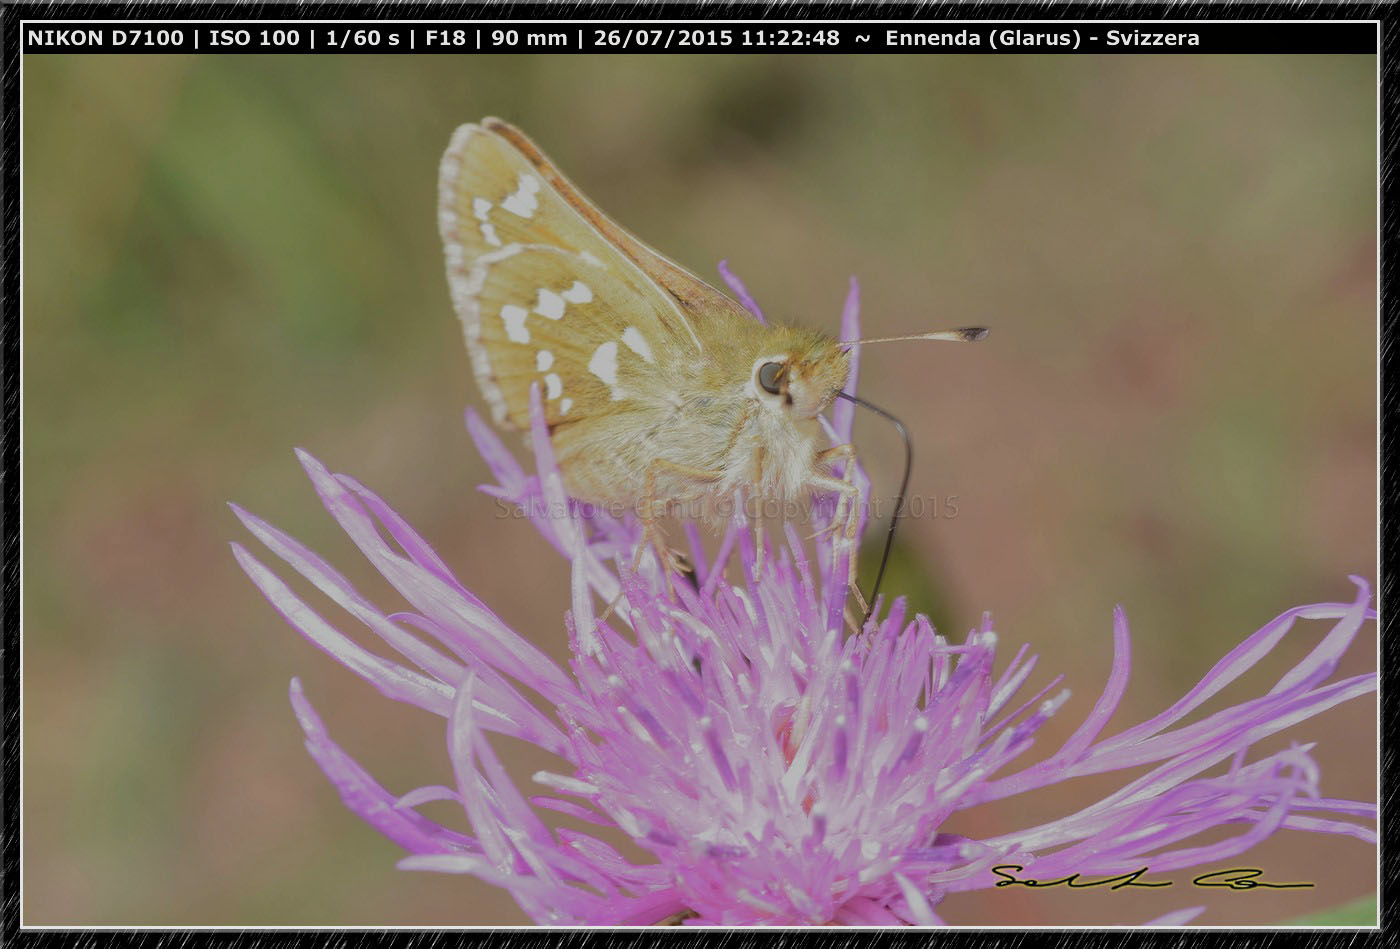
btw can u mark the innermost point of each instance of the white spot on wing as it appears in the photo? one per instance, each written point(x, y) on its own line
point(578, 293)
point(565, 404)
point(524, 203)
point(550, 304)
point(554, 386)
point(637, 343)
point(604, 363)
point(590, 259)
point(481, 207)
point(514, 317)
point(543, 360)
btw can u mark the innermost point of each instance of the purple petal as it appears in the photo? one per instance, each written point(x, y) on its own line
point(843, 413)
point(492, 641)
point(392, 680)
point(365, 797)
point(335, 586)
point(494, 452)
point(740, 291)
point(1177, 917)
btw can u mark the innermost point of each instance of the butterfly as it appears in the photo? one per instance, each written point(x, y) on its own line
point(659, 390)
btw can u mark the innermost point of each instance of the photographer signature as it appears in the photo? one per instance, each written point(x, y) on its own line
point(1238, 878)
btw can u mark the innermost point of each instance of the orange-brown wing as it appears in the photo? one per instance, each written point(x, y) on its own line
point(550, 291)
point(695, 296)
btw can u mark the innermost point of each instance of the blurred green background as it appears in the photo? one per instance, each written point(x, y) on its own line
point(226, 257)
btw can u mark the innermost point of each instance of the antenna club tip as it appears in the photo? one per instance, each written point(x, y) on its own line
point(974, 333)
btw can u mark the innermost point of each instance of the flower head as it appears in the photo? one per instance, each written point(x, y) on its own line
point(772, 767)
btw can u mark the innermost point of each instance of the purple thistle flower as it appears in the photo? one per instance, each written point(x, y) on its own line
point(775, 769)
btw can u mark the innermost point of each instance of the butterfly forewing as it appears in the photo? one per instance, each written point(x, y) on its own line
point(547, 290)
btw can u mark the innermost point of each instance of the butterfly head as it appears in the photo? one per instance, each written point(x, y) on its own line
point(802, 375)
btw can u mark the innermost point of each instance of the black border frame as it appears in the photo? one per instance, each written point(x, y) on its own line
point(1389, 479)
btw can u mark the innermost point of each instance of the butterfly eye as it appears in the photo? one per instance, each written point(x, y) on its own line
point(768, 376)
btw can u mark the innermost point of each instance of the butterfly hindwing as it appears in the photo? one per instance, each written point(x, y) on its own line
point(548, 319)
point(547, 292)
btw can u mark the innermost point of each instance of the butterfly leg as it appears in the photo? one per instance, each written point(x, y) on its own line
point(647, 511)
point(756, 515)
point(846, 517)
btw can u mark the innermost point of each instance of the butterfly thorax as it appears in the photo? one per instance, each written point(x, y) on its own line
point(707, 434)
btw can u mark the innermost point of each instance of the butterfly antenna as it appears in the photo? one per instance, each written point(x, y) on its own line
point(899, 499)
point(965, 334)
